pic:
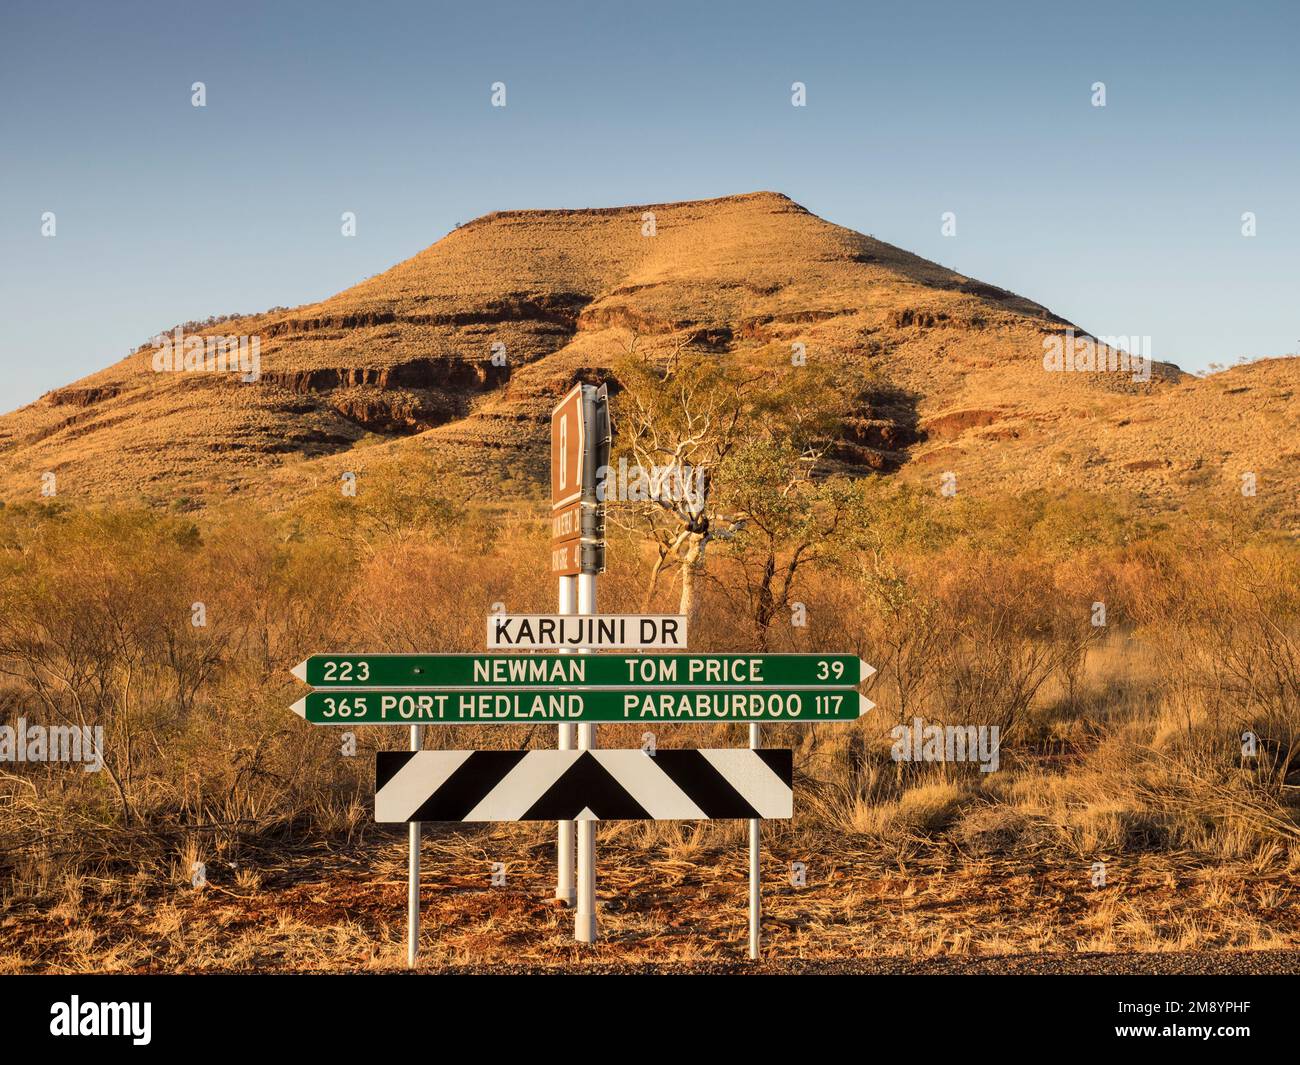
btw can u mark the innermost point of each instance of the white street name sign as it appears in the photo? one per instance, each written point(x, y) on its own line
point(597, 632)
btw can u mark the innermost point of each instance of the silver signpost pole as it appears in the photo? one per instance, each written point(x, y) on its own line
point(595, 414)
point(585, 919)
point(413, 876)
point(564, 888)
point(568, 450)
point(755, 899)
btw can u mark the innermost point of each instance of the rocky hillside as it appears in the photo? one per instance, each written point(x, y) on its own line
point(405, 359)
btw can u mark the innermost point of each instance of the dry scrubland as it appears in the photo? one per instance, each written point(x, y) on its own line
point(1121, 744)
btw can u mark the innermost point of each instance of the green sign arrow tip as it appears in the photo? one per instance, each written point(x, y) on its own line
point(300, 671)
point(865, 670)
point(865, 705)
point(300, 707)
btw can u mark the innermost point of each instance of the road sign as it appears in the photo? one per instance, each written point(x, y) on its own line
point(580, 442)
point(566, 523)
point(604, 632)
point(577, 556)
point(566, 558)
point(573, 557)
point(583, 785)
point(597, 671)
point(407, 706)
point(568, 449)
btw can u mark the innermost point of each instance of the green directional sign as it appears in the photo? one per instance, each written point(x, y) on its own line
point(407, 706)
point(596, 671)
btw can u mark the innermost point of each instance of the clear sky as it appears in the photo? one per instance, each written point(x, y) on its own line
point(1124, 218)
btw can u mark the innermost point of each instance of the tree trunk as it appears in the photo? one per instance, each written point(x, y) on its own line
point(692, 562)
point(654, 580)
point(766, 606)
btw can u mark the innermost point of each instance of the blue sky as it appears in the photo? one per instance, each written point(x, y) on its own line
point(1125, 219)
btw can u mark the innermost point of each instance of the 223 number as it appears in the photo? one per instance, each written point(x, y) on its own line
point(346, 672)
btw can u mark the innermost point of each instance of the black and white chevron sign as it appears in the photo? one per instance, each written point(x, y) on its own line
point(583, 785)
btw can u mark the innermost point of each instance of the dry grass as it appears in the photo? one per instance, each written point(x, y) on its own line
point(1121, 746)
point(332, 909)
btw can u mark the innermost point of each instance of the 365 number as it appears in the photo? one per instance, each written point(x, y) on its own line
point(345, 706)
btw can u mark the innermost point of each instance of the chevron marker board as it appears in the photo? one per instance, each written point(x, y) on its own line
point(599, 785)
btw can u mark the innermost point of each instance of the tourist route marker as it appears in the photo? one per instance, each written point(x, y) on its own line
point(408, 706)
point(568, 449)
point(598, 671)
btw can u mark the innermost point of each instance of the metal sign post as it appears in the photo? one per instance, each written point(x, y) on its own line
point(755, 898)
point(595, 411)
point(568, 445)
point(568, 735)
point(584, 925)
point(413, 876)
